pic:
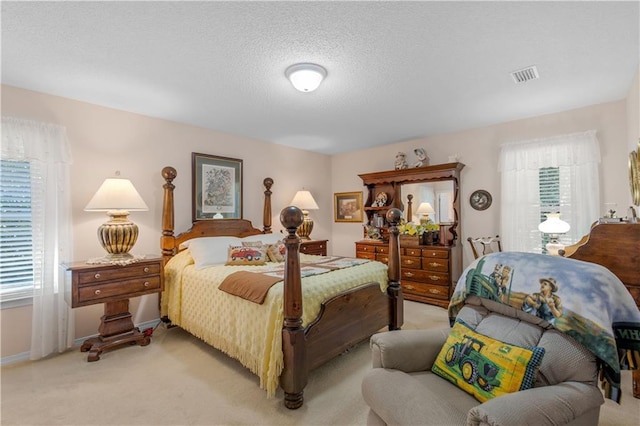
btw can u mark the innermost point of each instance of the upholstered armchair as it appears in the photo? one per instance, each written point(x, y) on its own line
point(402, 389)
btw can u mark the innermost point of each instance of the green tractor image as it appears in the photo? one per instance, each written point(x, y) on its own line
point(474, 367)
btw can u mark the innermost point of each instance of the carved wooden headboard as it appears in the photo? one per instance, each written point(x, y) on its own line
point(615, 246)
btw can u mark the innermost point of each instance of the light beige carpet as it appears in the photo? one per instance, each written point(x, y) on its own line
point(178, 380)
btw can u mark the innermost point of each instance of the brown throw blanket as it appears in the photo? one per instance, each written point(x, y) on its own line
point(252, 286)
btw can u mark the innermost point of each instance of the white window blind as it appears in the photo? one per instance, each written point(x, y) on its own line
point(16, 236)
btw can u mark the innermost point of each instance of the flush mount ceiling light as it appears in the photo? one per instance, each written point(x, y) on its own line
point(306, 77)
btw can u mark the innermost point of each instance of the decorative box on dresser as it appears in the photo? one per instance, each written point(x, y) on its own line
point(317, 247)
point(113, 285)
point(428, 272)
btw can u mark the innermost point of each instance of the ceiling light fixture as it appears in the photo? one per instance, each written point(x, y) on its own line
point(306, 77)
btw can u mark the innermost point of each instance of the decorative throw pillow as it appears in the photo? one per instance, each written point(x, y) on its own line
point(485, 367)
point(277, 251)
point(210, 251)
point(241, 255)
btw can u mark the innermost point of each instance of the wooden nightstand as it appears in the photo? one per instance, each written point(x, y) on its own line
point(317, 247)
point(113, 285)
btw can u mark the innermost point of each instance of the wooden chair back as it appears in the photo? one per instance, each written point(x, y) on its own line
point(484, 245)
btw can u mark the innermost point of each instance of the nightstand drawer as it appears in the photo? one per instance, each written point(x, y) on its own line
point(134, 270)
point(126, 288)
point(316, 247)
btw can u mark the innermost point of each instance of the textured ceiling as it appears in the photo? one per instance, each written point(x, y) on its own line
point(396, 70)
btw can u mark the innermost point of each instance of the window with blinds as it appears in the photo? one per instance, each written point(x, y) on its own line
point(16, 235)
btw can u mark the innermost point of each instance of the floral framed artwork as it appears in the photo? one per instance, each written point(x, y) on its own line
point(347, 207)
point(216, 187)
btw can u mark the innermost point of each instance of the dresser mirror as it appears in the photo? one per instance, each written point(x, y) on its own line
point(439, 195)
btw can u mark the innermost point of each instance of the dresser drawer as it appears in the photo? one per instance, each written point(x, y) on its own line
point(384, 258)
point(382, 249)
point(365, 248)
point(428, 290)
point(437, 278)
point(412, 251)
point(366, 255)
point(436, 264)
point(411, 262)
point(126, 288)
point(440, 254)
point(134, 270)
point(413, 274)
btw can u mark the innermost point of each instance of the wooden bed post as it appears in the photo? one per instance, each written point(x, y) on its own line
point(266, 211)
point(296, 370)
point(167, 241)
point(394, 290)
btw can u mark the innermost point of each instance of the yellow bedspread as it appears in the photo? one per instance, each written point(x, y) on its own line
point(246, 331)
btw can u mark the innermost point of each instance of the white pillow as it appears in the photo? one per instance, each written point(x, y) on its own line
point(265, 238)
point(209, 251)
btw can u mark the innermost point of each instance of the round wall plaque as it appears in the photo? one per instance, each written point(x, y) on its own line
point(480, 199)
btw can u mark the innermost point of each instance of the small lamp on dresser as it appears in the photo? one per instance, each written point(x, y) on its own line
point(117, 197)
point(425, 209)
point(305, 202)
point(554, 226)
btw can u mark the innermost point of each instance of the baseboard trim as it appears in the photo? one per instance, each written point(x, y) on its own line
point(24, 356)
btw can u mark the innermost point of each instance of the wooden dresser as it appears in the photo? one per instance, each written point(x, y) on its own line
point(428, 273)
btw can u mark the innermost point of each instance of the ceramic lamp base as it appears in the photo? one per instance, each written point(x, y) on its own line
point(118, 236)
point(305, 229)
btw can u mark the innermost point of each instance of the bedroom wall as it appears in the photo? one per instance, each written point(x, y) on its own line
point(633, 115)
point(104, 140)
point(479, 149)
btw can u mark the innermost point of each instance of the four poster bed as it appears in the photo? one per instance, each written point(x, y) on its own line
point(315, 309)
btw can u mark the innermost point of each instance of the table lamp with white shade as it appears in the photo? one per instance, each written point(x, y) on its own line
point(117, 197)
point(425, 209)
point(554, 226)
point(305, 202)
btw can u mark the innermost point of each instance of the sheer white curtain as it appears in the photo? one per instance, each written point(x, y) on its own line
point(576, 156)
point(46, 148)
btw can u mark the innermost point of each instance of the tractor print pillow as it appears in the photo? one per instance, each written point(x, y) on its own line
point(485, 367)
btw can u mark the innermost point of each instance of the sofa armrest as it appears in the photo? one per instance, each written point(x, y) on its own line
point(407, 350)
point(546, 405)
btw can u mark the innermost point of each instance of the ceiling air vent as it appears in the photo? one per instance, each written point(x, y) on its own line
point(525, 74)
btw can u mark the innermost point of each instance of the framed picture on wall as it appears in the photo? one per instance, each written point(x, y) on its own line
point(347, 207)
point(216, 184)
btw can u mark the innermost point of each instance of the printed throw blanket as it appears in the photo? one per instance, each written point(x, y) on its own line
point(582, 299)
point(254, 286)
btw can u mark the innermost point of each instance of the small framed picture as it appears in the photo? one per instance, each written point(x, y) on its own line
point(216, 187)
point(348, 207)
